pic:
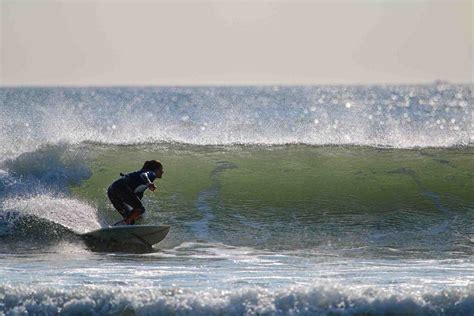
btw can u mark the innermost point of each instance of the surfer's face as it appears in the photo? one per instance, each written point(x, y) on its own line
point(159, 172)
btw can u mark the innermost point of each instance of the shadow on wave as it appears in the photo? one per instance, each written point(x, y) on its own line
point(17, 230)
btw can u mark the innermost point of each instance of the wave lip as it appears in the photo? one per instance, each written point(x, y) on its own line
point(395, 116)
point(290, 301)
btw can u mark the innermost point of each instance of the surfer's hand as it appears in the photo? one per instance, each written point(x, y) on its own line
point(152, 187)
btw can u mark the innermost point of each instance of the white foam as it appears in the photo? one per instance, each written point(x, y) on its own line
point(248, 301)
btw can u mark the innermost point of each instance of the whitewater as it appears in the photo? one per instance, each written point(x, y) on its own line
point(321, 200)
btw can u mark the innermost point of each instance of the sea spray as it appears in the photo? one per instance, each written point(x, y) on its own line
point(395, 116)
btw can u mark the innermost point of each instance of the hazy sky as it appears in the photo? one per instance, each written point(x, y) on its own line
point(234, 42)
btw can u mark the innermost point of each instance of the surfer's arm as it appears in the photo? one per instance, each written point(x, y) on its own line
point(149, 184)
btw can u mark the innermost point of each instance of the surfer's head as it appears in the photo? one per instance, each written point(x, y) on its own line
point(155, 166)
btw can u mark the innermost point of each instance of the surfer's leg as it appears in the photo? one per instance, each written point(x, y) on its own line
point(117, 202)
point(136, 206)
point(134, 215)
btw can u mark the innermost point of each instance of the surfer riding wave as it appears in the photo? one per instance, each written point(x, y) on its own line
point(126, 193)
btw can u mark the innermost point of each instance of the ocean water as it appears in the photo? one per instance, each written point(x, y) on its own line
point(326, 200)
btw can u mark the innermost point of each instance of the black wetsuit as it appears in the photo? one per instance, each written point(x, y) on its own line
point(126, 193)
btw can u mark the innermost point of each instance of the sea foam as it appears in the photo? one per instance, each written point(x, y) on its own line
point(17, 300)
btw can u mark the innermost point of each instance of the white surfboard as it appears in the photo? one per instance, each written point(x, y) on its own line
point(140, 235)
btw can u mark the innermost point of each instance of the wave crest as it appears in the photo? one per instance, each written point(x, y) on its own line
point(396, 116)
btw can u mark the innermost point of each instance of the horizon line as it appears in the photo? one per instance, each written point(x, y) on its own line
point(192, 85)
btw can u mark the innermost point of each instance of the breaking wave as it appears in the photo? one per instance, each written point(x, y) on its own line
point(291, 301)
point(395, 116)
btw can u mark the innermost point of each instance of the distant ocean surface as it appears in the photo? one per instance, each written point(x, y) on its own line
point(324, 200)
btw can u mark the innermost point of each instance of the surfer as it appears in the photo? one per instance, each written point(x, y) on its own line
point(126, 193)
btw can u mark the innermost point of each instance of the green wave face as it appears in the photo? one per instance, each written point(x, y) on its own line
point(301, 197)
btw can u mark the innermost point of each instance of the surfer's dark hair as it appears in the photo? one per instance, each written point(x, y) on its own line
point(151, 165)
